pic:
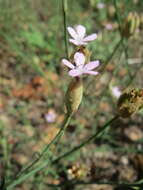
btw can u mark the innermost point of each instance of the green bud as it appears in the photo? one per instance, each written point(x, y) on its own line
point(131, 24)
point(74, 95)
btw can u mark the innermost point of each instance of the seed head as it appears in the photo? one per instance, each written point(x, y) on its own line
point(130, 102)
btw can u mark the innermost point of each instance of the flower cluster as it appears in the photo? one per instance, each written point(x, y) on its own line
point(79, 65)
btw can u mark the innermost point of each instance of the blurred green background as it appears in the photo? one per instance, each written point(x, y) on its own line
point(33, 83)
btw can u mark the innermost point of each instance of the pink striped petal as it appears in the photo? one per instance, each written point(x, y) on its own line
point(74, 42)
point(90, 37)
point(79, 59)
point(80, 31)
point(91, 65)
point(90, 72)
point(68, 64)
point(72, 32)
point(75, 72)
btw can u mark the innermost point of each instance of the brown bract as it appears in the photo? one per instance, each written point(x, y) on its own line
point(130, 102)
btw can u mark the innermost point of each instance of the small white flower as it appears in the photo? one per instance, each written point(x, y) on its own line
point(116, 91)
point(100, 5)
point(80, 67)
point(50, 116)
point(109, 26)
point(79, 37)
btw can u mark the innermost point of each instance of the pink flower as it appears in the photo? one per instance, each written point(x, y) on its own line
point(50, 116)
point(80, 67)
point(109, 26)
point(116, 91)
point(79, 37)
point(100, 5)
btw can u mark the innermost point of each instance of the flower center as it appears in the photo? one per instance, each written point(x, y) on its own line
point(80, 67)
point(79, 39)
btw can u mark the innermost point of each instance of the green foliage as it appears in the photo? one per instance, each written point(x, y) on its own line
point(33, 38)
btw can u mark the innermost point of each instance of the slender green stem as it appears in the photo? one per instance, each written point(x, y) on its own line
point(124, 41)
point(111, 55)
point(45, 163)
point(81, 182)
point(64, 8)
point(107, 61)
point(27, 175)
point(87, 141)
point(117, 15)
point(20, 176)
point(25, 169)
point(60, 133)
point(134, 75)
point(67, 118)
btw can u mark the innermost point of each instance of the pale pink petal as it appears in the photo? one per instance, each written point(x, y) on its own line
point(50, 116)
point(74, 42)
point(90, 37)
point(75, 72)
point(80, 30)
point(116, 91)
point(68, 64)
point(82, 43)
point(91, 65)
point(72, 32)
point(100, 5)
point(90, 72)
point(77, 42)
point(109, 26)
point(79, 59)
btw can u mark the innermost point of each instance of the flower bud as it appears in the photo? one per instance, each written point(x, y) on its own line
point(74, 95)
point(130, 102)
point(131, 24)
